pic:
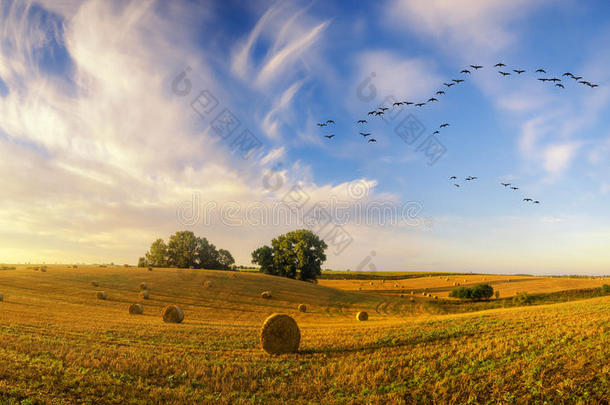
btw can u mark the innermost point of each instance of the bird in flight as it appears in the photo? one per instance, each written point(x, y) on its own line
point(431, 99)
point(536, 202)
point(378, 113)
point(330, 122)
point(592, 85)
point(372, 140)
point(448, 84)
point(503, 73)
point(559, 85)
point(568, 74)
point(364, 134)
point(469, 178)
point(499, 65)
point(321, 124)
point(420, 104)
point(543, 79)
point(407, 102)
point(518, 71)
point(362, 121)
point(329, 136)
point(554, 79)
point(383, 108)
point(444, 125)
point(515, 188)
point(540, 71)
point(397, 103)
point(372, 112)
point(505, 184)
point(453, 178)
point(527, 199)
point(465, 71)
point(476, 67)
point(457, 185)
point(435, 132)
point(440, 92)
point(584, 82)
point(458, 80)
point(577, 78)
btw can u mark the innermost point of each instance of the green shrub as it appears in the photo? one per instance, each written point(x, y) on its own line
point(522, 298)
point(606, 288)
point(478, 292)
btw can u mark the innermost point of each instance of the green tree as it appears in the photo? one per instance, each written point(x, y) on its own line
point(297, 254)
point(182, 249)
point(225, 258)
point(157, 255)
point(263, 256)
point(478, 292)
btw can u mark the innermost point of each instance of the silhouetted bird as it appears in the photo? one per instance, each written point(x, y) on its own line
point(568, 74)
point(362, 121)
point(440, 92)
point(435, 132)
point(457, 185)
point(543, 79)
point(593, 85)
point(559, 85)
point(476, 67)
point(329, 136)
point(515, 188)
point(420, 104)
point(499, 65)
point(407, 102)
point(465, 71)
point(372, 140)
point(364, 134)
point(554, 79)
point(536, 202)
point(378, 113)
point(503, 73)
point(577, 78)
point(505, 184)
point(372, 112)
point(444, 125)
point(452, 178)
point(540, 71)
point(458, 80)
point(527, 199)
point(330, 121)
point(432, 99)
point(448, 84)
point(397, 103)
point(321, 125)
point(584, 82)
point(383, 108)
point(518, 71)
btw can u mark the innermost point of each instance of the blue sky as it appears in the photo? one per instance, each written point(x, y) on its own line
point(102, 156)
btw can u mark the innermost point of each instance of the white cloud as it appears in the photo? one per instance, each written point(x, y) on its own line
point(557, 157)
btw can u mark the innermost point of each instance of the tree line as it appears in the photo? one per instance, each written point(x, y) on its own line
point(184, 250)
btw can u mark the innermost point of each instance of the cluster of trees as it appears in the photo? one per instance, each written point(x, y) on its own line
point(184, 250)
point(297, 254)
point(478, 292)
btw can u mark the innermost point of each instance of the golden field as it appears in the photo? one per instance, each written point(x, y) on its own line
point(60, 345)
point(508, 285)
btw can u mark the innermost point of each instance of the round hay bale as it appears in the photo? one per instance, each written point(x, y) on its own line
point(136, 309)
point(150, 269)
point(95, 283)
point(173, 314)
point(280, 334)
point(208, 284)
point(101, 295)
point(144, 294)
point(36, 268)
point(266, 294)
point(412, 299)
point(302, 307)
point(362, 316)
point(371, 283)
point(402, 295)
point(143, 286)
point(43, 269)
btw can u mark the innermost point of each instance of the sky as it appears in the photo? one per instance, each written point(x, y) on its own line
point(126, 121)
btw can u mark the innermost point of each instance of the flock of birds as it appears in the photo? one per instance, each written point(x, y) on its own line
point(382, 110)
